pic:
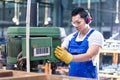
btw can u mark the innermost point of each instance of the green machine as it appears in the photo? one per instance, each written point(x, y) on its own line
point(43, 41)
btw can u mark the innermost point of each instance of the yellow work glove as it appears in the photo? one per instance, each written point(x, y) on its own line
point(63, 55)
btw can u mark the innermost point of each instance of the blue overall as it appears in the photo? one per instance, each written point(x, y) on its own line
point(81, 69)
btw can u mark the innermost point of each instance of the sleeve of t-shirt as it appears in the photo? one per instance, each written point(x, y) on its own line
point(66, 40)
point(96, 38)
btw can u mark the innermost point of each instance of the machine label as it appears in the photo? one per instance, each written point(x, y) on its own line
point(43, 51)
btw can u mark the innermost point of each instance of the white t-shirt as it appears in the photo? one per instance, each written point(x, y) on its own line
point(95, 38)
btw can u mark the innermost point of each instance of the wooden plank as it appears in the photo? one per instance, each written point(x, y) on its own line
point(109, 76)
point(6, 74)
point(115, 58)
point(20, 75)
point(62, 77)
point(109, 51)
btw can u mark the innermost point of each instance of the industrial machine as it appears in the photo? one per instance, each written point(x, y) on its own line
point(43, 41)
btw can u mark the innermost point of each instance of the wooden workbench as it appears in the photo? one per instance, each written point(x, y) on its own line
point(115, 54)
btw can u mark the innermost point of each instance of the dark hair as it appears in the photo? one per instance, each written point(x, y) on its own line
point(81, 11)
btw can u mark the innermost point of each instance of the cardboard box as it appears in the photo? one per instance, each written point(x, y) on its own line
point(20, 75)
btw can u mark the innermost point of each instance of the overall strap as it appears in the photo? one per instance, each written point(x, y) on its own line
point(75, 35)
point(91, 31)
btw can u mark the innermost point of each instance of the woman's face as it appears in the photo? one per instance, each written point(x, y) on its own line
point(78, 22)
